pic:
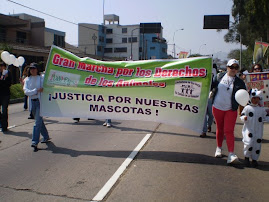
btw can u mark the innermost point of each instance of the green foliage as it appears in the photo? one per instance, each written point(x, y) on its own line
point(195, 55)
point(246, 57)
point(16, 91)
point(251, 20)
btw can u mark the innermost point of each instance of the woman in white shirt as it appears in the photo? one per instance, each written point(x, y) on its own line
point(33, 87)
point(225, 108)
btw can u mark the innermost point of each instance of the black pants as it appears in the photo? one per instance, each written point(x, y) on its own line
point(4, 101)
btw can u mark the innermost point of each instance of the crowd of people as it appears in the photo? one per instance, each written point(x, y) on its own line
point(222, 107)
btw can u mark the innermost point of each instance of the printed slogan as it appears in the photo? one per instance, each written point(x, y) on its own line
point(167, 91)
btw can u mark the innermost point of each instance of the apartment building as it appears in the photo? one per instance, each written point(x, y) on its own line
point(131, 42)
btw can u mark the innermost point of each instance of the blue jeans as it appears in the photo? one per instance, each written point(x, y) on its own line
point(108, 121)
point(39, 126)
point(208, 116)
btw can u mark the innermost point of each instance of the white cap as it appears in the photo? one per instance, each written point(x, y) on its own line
point(232, 61)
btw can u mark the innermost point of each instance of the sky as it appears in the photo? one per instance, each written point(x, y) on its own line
point(172, 14)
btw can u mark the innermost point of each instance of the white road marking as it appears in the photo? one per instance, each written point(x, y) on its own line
point(109, 184)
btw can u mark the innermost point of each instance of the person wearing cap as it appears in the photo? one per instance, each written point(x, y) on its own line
point(253, 116)
point(5, 83)
point(33, 87)
point(225, 108)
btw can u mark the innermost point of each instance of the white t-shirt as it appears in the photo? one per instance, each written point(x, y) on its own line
point(223, 99)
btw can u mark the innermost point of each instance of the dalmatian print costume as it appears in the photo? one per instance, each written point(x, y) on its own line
point(253, 127)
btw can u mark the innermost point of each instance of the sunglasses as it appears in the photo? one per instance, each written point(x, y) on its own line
point(32, 67)
point(255, 69)
point(236, 67)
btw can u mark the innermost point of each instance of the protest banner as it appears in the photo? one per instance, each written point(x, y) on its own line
point(261, 82)
point(260, 49)
point(174, 92)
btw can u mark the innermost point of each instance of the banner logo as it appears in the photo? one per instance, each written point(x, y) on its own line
point(188, 89)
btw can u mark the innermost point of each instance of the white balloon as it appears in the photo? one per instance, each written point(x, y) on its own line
point(16, 63)
point(5, 56)
point(12, 59)
point(21, 60)
point(242, 97)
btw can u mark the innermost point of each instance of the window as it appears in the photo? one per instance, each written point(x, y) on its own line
point(109, 40)
point(164, 50)
point(108, 50)
point(124, 40)
point(2, 34)
point(100, 48)
point(109, 31)
point(155, 39)
point(124, 30)
point(59, 40)
point(120, 50)
point(134, 39)
point(152, 48)
point(101, 39)
point(21, 37)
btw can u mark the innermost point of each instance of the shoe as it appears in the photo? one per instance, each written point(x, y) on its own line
point(247, 163)
point(46, 140)
point(4, 130)
point(218, 153)
point(104, 124)
point(76, 119)
point(203, 135)
point(209, 129)
point(31, 117)
point(108, 125)
point(232, 158)
point(254, 164)
point(35, 147)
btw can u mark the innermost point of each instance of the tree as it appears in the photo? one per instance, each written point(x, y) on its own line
point(246, 57)
point(251, 20)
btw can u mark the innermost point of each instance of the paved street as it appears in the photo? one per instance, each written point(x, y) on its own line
point(175, 164)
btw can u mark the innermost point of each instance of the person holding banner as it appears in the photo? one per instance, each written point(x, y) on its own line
point(256, 68)
point(5, 83)
point(33, 87)
point(209, 115)
point(225, 108)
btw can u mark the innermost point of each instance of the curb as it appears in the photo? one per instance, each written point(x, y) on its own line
point(18, 100)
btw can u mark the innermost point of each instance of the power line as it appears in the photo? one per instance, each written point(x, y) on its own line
point(59, 18)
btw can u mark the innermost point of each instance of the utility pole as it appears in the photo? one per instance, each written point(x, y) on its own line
point(174, 41)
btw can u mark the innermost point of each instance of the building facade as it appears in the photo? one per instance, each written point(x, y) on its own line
point(130, 42)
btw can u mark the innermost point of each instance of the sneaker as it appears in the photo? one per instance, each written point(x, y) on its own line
point(203, 135)
point(46, 140)
point(104, 124)
point(35, 147)
point(31, 117)
point(232, 158)
point(218, 153)
point(108, 125)
point(4, 130)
